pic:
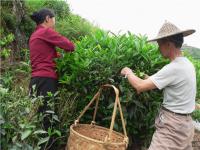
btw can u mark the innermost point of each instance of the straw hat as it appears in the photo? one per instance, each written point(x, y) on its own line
point(169, 29)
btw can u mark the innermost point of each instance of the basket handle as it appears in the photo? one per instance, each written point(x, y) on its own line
point(117, 103)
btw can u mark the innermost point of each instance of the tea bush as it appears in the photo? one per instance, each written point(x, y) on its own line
point(97, 60)
point(22, 125)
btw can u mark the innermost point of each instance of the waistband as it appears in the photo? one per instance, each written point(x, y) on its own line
point(163, 108)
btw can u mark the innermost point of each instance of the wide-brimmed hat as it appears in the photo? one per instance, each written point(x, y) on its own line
point(168, 29)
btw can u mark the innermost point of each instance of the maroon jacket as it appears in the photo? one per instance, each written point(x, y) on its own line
point(42, 45)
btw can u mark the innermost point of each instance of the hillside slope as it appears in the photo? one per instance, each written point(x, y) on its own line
point(193, 51)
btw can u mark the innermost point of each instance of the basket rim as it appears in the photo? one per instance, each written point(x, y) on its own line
point(97, 141)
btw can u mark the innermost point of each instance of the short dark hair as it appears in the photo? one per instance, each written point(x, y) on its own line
point(176, 39)
point(40, 16)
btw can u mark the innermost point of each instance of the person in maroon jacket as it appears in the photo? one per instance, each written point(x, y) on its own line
point(42, 45)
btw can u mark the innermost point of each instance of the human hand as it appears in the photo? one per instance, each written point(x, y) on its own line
point(58, 55)
point(126, 71)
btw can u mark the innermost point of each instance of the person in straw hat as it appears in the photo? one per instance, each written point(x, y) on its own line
point(174, 128)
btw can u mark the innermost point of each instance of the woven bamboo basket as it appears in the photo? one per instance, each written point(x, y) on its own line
point(196, 141)
point(94, 137)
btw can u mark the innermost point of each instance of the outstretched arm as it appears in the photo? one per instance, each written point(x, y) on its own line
point(139, 84)
point(59, 40)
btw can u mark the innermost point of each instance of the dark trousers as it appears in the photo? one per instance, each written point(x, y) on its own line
point(43, 85)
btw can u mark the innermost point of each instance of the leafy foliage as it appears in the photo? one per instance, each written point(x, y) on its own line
point(97, 60)
point(68, 24)
point(60, 7)
point(74, 27)
point(22, 125)
point(5, 44)
point(196, 115)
